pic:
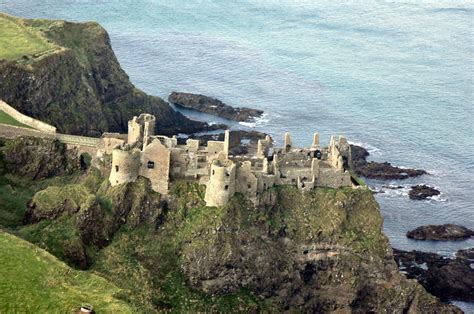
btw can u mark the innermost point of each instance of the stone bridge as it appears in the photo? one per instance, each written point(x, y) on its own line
point(78, 140)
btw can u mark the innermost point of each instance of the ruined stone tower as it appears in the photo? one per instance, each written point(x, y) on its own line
point(221, 185)
point(125, 166)
point(141, 128)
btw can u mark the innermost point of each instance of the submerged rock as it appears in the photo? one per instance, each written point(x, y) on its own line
point(447, 232)
point(379, 170)
point(448, 279)
point(213, 106)
point(421, 192)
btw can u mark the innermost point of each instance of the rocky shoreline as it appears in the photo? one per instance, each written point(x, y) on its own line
point(213, 107)
point(446, 278)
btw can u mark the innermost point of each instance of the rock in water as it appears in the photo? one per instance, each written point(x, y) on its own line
point(379, 170)
point(447, 232)
point(213, 106)
point(448, 279)
point(421, 192)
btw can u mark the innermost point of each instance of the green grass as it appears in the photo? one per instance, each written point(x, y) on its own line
point(7, 119)
point(20, 42)
point(34, 281)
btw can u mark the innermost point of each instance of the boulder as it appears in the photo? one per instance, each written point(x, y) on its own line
point(213, 106)
point(446, 232)
point(421, 192)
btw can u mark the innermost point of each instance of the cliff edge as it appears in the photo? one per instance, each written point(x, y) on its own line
point(67, 74)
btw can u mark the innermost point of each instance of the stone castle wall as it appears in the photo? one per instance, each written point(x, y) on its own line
point(36, 124)
point(155, 165)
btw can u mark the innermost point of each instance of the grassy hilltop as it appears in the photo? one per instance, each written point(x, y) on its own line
point(21, 42)
point(66, 74)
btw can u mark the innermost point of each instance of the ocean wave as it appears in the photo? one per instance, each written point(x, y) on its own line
point(258, 122)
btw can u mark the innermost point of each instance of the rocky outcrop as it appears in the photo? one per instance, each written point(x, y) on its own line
point(421, 192)
point(37, 158)
point(327, 248)
point(82, 218)
point(379, 170)
point(447, 232)
point(213, 106)
point(448, 279)
point(81, 88)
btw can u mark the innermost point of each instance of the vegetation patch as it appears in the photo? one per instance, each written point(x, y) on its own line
point(7, 119)
point(35, 281)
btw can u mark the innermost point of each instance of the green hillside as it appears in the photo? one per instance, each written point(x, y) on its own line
point(33, 280)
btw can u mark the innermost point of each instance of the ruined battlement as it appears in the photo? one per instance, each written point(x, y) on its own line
point(163, 160)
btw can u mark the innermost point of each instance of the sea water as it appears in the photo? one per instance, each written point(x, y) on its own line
point(395, 77)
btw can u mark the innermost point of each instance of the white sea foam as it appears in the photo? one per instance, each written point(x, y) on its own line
point(257, 122)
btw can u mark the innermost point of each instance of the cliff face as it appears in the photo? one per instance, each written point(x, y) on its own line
point(80, 87)
point(317, 251)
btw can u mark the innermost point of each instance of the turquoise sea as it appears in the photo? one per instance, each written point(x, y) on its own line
point(396, 77)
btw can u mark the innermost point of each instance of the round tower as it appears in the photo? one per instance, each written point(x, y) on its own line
point(125, 166)
point(221, 185)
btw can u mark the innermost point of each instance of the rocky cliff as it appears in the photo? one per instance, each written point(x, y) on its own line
point(317, 251)
point(78, 85)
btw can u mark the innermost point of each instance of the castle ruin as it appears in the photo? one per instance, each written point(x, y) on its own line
point(162, 160)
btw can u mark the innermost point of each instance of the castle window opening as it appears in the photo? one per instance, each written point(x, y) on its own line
point(249, 186)
point(226, 187)
point(116, 168)
point(150, 164)
point(213, 172)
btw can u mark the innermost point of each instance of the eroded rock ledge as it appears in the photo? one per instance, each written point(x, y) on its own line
point(379, 170)
point(213, 106)
point(446, 278)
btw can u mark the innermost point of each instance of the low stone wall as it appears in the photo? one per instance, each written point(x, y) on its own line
point(41, 126)
point(10, 131)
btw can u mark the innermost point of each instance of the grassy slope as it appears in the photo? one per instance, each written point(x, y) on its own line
point(20, 42)
point(7, 119)
point(35, 281)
